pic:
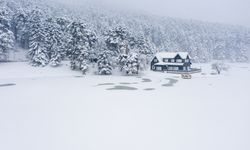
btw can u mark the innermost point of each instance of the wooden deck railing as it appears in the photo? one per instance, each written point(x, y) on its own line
point(192, 71)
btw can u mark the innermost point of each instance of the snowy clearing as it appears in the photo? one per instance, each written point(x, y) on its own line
point(59, 109)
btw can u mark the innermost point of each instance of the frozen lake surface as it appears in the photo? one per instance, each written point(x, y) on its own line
point(59, 109)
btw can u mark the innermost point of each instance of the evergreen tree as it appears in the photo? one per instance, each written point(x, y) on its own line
point(131, 64)
point(6, 43)
point(78, 50)
point(80, 60)
point(37, 54)
point(83, 60)
point(104, 63)
point(54, 42)
point(117, 40)
point(56, 56)
point(84, 66)
point(6, 37)
point(92, 42)
point(122, 60)
point(4, 21)
point(63, 23)
point(141, 46)
point(19, 27)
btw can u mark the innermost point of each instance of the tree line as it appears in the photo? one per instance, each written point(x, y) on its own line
point(93, 34)
point(52, 40)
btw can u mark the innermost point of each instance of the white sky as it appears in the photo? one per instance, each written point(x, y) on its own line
point(223, 11)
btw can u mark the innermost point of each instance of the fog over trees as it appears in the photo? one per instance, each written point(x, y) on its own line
point(92, 33)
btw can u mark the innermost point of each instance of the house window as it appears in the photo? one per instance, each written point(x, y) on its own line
point(158, 68)
point(175, 68)
point(187, 60)
point(155, 60)
point(172, 60)
point(170, 68)
point(165, 60)
point(179, 60)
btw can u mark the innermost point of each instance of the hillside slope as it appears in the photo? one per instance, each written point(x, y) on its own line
point(205, 41)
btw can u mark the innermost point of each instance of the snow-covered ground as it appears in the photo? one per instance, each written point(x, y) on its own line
point(59, 109)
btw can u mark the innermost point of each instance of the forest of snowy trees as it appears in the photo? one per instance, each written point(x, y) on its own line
point(51, 32)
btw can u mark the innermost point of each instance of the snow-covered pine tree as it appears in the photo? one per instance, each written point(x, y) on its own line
point(92, 42)
point(54, 42)
point(37, 54)
point(142, 47)
point(117, 40)
point(6, 37)
point(131, 64)
point(63, 23)
point(83, 60)
point(122, 60)
point(104, 63)
point(79, 46)
point(19, 28)
point(84, 66)
point(51, 35)
point(6, 43)
point(5, 23)
point(56, 56)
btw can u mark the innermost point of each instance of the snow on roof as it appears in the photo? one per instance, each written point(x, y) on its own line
point(169, 64)
point(161, 55)
point(183, 55)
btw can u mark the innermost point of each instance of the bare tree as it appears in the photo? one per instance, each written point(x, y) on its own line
point(219, 67)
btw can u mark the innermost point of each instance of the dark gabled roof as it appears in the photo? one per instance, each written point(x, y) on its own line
point(170, 55)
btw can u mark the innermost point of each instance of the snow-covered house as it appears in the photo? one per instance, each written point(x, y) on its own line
point(171, 61)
